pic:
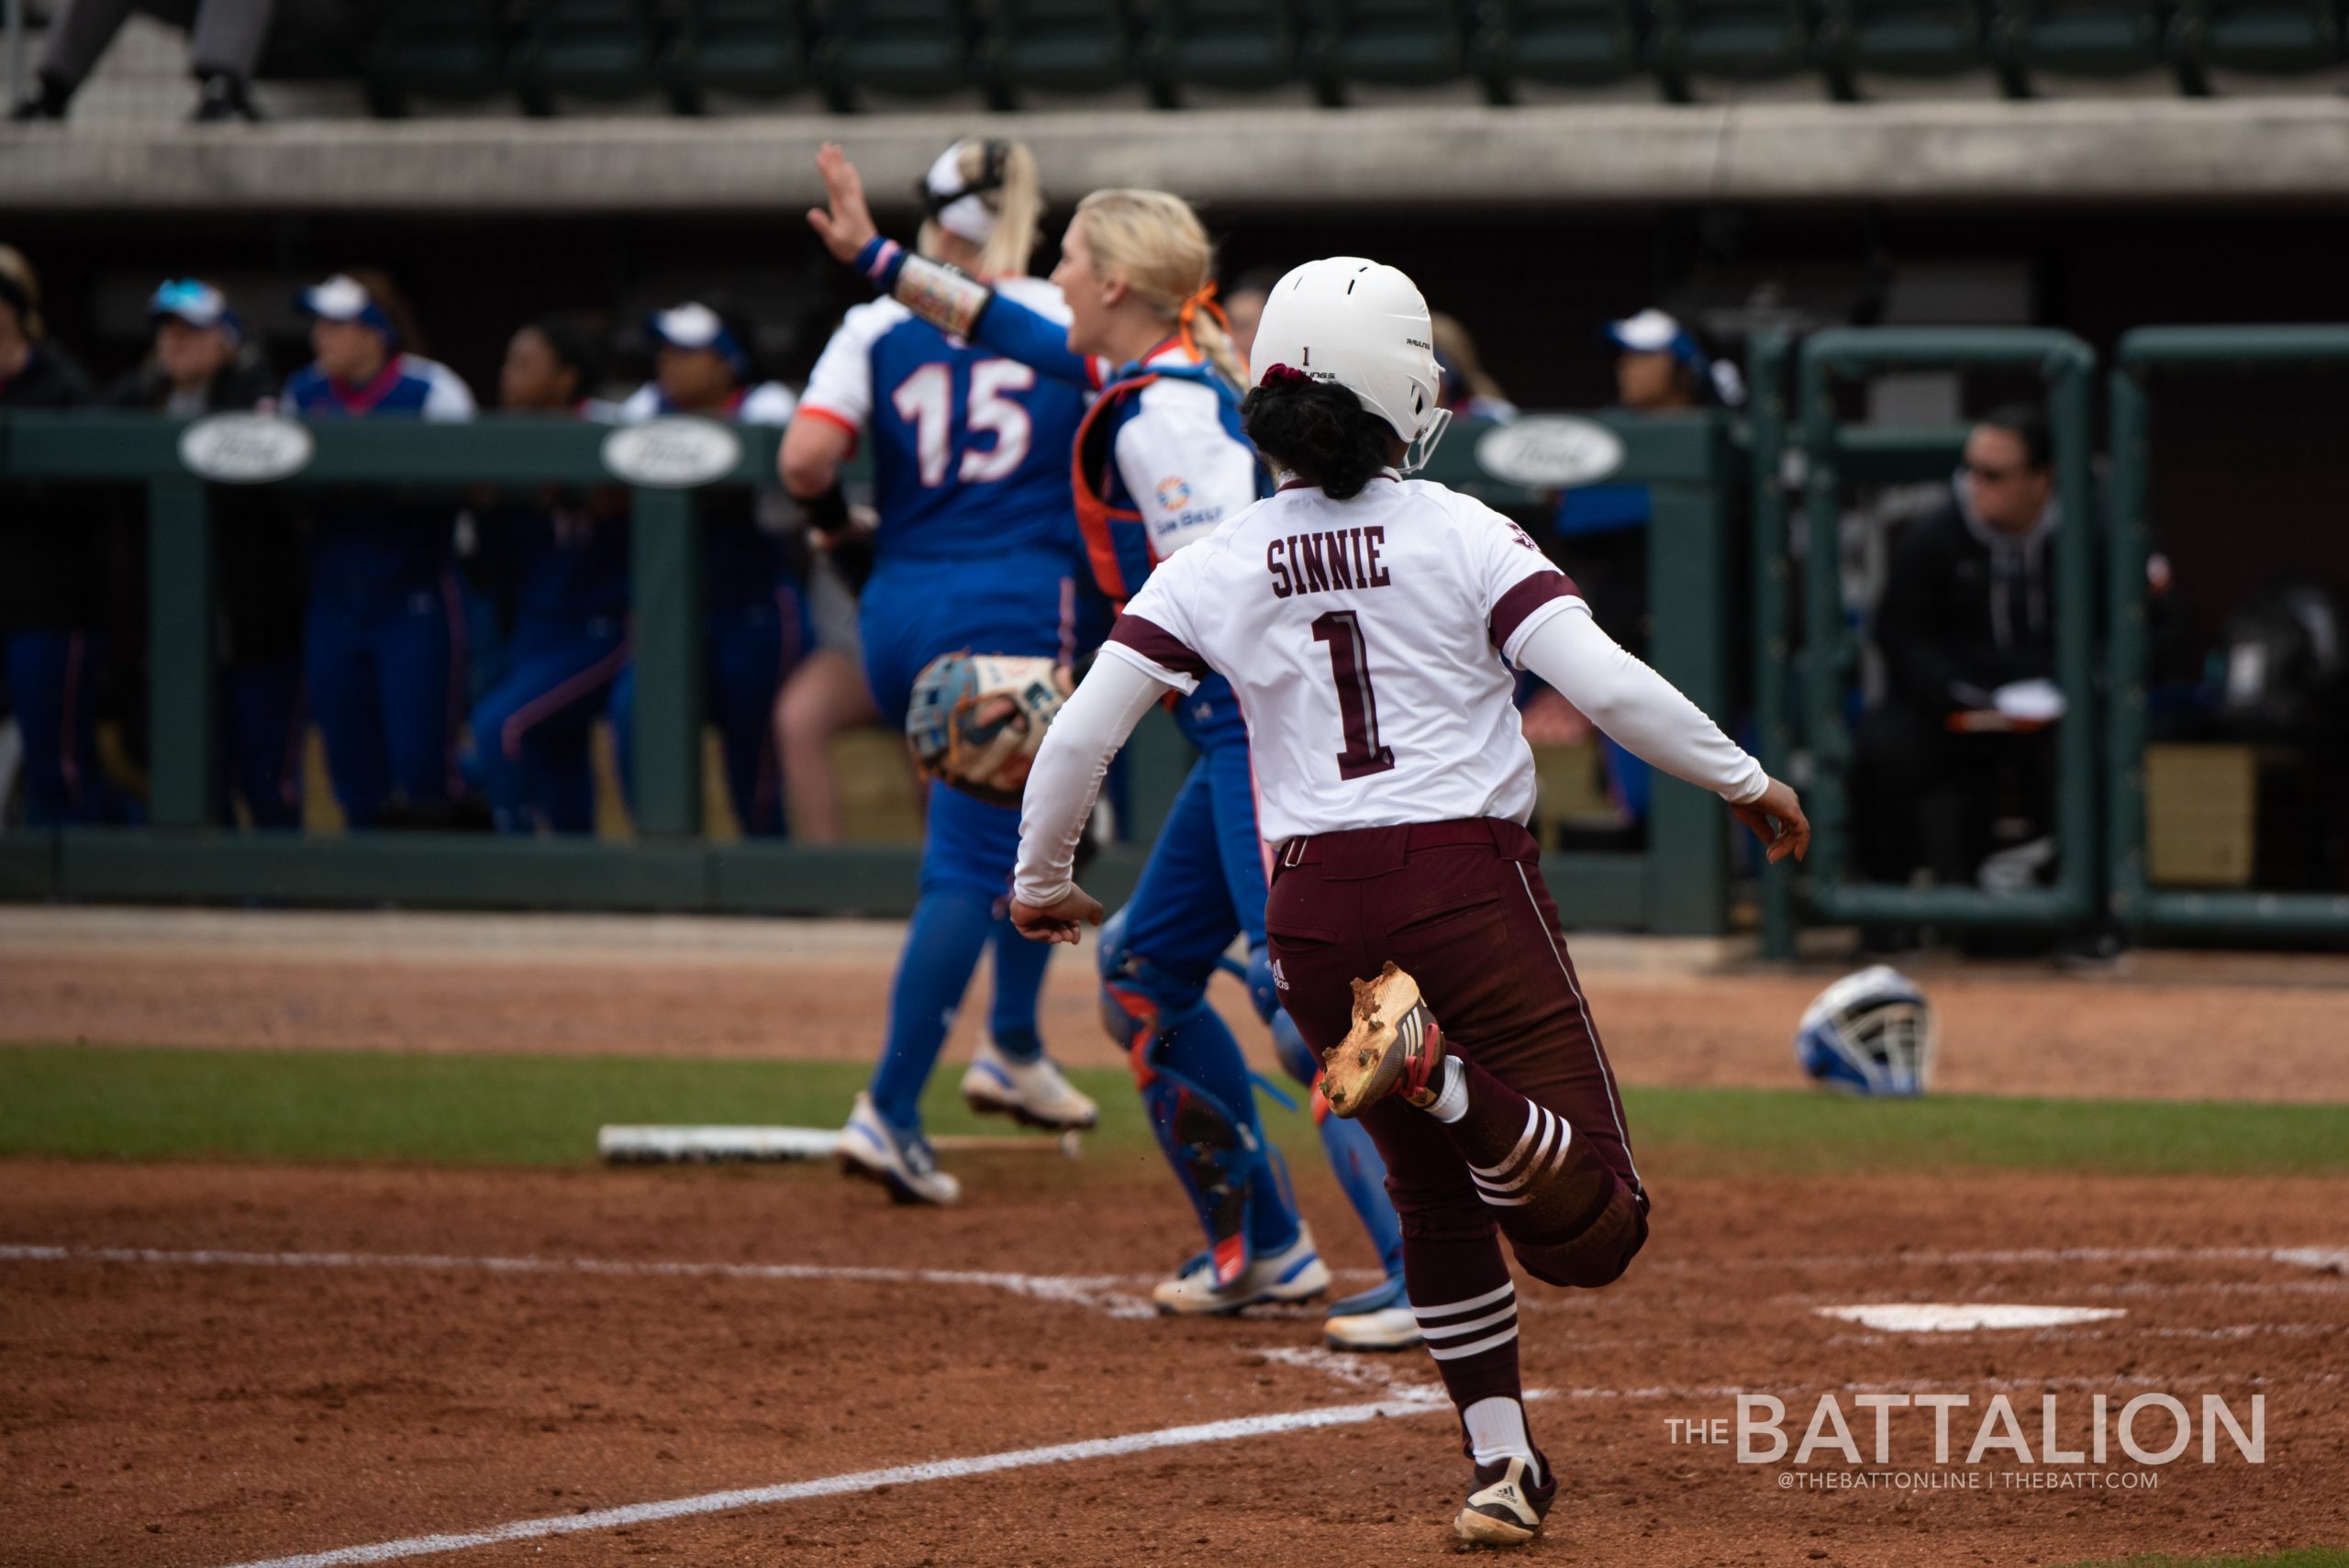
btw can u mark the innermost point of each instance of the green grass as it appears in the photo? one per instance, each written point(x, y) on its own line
point(93, 1102)
point(2305, 1557)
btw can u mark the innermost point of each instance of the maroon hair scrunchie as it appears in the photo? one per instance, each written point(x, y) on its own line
point(1284, 376)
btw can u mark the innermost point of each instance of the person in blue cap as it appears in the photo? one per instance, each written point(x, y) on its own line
point(204, 361)
point(753, 594)
point(384, 649)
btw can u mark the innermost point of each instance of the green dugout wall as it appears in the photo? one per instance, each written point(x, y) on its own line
point(1693, 470)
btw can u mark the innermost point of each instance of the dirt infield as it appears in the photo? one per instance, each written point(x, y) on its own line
point(816, 990)
point(204, 1365)
point(358, 1374)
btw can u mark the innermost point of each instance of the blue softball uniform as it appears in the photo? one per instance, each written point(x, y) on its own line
point(532, 730)
point(383, 650)
point(1159, 462)
point(977, 550)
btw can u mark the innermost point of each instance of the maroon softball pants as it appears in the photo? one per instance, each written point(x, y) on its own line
point(1461, 905)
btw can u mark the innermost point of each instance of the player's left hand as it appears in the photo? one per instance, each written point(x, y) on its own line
point(1062, 920)
point(848, 226)
point(1776, 817)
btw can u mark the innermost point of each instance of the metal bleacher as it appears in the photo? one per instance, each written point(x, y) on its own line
point(547, 56)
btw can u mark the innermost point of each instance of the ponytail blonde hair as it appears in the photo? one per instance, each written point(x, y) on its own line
point(1163, 248)
point(1018, 205)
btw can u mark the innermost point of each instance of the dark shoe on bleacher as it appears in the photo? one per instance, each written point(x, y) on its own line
point(224, 98)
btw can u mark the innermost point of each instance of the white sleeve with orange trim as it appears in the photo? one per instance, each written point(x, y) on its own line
point(840, 389)
point(1185, 472)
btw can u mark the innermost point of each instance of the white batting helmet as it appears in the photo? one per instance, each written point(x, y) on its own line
point(1363, 326)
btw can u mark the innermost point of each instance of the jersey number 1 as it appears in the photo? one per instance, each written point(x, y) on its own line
point(1357, 704)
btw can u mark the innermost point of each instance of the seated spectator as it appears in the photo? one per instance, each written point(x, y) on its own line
point(383, 629)
point(1968, 630)
point(224, 45)
point(52, 580)
point(203, 363)
point(753, 581)
point(562, 561)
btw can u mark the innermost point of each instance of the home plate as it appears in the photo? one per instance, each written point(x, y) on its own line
point(1962, 1317)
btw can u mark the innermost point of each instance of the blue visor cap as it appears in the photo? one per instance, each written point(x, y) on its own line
point(695, 325)
point(345, 298)
point(1654, 332)
point(199, 305)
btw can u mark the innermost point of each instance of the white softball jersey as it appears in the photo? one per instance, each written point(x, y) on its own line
point(1370, 642)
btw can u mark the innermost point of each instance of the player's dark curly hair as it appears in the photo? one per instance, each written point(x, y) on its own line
point(1318, 430)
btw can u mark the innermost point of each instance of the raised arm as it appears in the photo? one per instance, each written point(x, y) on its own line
point(1046, 903)
point(1649, 717)
point(949, 300)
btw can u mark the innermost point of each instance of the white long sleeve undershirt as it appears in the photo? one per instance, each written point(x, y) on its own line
point(1636, 706)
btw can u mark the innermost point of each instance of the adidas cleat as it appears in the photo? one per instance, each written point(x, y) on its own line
point(902, 1161)
point(1394, 1047)
point(1293, 1273)
point(1379, 1319)
point(1033, 1094)
point(1508, 1504)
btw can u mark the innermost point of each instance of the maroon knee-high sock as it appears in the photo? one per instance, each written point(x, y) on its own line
point(1461, 1295)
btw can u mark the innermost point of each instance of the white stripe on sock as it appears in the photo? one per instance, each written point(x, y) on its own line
point(1450, 1307)
point(1533, 1126)
point(1454, 1353)
point(1452, 1331)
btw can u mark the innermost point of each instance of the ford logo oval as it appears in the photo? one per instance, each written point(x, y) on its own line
point(246, 449)
point(1550, 452)
point(672, 453)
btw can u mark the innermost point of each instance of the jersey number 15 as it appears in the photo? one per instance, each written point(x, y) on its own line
point(926, 401)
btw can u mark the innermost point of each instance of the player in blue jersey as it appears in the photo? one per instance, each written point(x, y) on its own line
point(976, 552)
point(1159, 462)
point(755, 608)
point(561, 559)
point(384, 628)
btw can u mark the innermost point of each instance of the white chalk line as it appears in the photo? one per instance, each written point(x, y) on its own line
point(1101, 1293)
point(2302, 1257)
point(859, 1481)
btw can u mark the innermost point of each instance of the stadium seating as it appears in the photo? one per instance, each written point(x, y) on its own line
point(1748, 40)
point(906, 47)
point(1233, 45)
point(754, 48)
point(2077, 38)
point(596, 48)
point(435, 48)
point(1412, 43)
point(1565, 42)
point(1055, 46)
point(2271, 37)
point(1900, 38)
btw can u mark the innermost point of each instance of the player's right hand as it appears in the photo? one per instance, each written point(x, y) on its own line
point(1062, 920)
point(1776, 817)
point(848, 226)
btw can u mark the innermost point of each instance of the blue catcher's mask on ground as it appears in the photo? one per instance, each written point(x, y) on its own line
point(1869, 1033)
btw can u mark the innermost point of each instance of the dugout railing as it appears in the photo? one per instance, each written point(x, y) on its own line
point(1680, 885)
point(1805, 455)
point(2145, 355)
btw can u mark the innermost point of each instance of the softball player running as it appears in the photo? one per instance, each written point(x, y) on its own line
point(1160, 461)
point(1368, 625)
point(976, 552)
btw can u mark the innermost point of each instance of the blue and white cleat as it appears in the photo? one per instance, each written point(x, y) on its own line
point(1033, 1094)
point(1379, 1319)
point(1293, 1273)
point(902, 1161)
